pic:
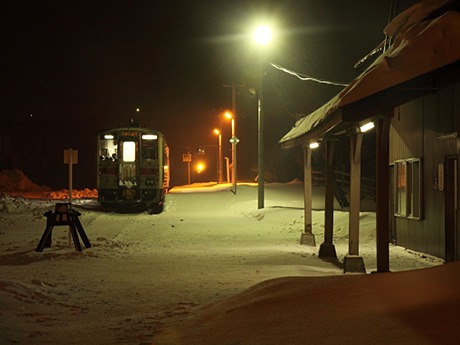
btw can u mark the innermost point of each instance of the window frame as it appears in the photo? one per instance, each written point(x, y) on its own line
point(408, 188)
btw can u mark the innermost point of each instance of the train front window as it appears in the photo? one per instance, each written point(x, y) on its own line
point(129, 151)
point(149, 148)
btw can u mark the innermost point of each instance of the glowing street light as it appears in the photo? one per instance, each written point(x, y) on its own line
point(229, 116)
point(200, 167)
point(262, 37)
point(219, 156)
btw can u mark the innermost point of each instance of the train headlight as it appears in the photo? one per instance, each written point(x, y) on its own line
point(149, 136)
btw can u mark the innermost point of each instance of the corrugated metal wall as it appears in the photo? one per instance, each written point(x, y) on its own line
point(415, 133)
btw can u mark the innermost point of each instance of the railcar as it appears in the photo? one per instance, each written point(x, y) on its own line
point(132, 169)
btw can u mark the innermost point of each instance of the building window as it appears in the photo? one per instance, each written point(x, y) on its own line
point(400, 192)
point(408, 188)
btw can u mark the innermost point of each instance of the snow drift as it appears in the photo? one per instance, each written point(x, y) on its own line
point(416, 307)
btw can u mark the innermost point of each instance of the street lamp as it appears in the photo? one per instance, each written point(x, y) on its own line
point(200, 167)
point(219, 156)
point(262, 37)
point(234, 140)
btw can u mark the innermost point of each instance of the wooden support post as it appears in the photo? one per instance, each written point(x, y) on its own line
point(383, 193)
point(307, 236)
point(46, 238)
point(76, 222)
point(353, 262)
point(327, 248)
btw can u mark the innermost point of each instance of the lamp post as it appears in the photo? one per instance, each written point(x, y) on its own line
point(262, 37)
point(219, 157)
point(234, 140)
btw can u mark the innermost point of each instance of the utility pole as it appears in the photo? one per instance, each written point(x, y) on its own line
point(234, 140)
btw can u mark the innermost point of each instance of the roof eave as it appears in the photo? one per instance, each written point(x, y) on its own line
point(317, 132)
point(379, 103)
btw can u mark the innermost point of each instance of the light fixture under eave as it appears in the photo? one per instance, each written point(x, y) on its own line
point(314, 145)
point(366, 127)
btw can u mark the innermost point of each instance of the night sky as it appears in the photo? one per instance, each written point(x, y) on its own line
point(92, 63)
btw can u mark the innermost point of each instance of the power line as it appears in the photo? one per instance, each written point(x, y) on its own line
point(305, 77)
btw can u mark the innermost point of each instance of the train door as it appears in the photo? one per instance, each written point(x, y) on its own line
point(451, 207)
point(127, 173)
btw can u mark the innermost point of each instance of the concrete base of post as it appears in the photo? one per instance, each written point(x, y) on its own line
point(353, 264)
point(327, 250)
point(308, 238)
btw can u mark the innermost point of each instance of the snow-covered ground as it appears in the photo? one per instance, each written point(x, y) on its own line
point(145, 274)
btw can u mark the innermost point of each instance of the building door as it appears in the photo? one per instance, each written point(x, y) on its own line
point(451, 207)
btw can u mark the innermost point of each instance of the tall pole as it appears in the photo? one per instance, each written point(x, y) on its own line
point(382, 216)
point(307, 236)
point(219, 156)
point(227, 169)
point(234, 174)
point(70, 177)
point(234, 88)
point(260, 140)
point(262, 37)
point(233, 147)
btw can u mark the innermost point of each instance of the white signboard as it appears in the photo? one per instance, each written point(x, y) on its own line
point(68, 158)
point(187, 157)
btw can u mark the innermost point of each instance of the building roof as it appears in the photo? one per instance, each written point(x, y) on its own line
point(421, 45)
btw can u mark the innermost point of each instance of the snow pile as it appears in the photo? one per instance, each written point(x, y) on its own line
point(14, 204)
point(76, 194)
point(16, 180)
point(23, 202)
point(15, 184)
point(390, 308)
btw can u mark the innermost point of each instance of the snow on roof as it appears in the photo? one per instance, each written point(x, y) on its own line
point(413, 15)
point(419, 47)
